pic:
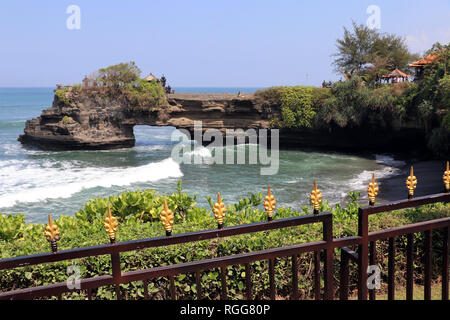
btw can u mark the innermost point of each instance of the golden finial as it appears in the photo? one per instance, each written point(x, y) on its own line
point(167, 218)
point(219, 211)
point(446, 178)
point(316, 198)
point(411, 183)
point(110, 225)
point(269, 204)
point(52, 234)
point(372, 190)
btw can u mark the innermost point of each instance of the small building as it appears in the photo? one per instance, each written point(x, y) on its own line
point(396, 76)
point(420, 64)
point(151, 77)
point(85, 82)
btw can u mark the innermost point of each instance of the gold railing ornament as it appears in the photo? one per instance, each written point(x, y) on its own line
point(372, 190)
point(52, 234)
point(315, 198)
point(446, 178)
point(269, 204)
point(167, 218)
point(110, 225)
point(411, 183)
point(219, 211)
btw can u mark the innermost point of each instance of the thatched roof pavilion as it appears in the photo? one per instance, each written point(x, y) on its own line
point(395, 76)
point(151, 77)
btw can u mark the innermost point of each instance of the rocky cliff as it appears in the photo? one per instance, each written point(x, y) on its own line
point(89, 119)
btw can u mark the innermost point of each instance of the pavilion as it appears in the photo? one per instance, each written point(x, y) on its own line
point(395, 76)
point(151, 77)
point(420, 64)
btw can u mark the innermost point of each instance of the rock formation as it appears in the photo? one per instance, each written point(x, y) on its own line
point(89, 119)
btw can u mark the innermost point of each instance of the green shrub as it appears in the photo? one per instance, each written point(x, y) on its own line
point(298, 104)
point(145, 205)
point(11, 226)
point(144, 96)
point(61, 94)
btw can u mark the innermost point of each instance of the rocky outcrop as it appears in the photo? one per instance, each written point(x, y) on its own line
point(90, 119)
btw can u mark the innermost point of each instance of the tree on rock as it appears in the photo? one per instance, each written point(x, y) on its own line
point(120, 74)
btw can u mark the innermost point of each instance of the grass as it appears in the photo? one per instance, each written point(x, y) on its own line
point(400, 292)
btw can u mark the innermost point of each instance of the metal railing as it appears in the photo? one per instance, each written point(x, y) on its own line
point(365, 254)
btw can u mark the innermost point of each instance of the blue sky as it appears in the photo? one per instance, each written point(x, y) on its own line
point(199, 43)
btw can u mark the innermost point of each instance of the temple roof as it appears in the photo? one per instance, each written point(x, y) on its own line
point(396, 74)
point(151, 77)
point(428, 59)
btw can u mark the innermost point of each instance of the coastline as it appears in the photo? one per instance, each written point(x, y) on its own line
point(429, 180)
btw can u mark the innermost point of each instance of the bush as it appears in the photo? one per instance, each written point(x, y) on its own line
point(354, 105)
point(61, 94)
point(145, 205)
point(143, 95)
point(120, 74)
point(298, 104)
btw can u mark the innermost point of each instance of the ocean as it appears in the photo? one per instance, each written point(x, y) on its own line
point(37, 183)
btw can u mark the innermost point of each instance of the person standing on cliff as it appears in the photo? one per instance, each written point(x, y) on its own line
point(239, 93)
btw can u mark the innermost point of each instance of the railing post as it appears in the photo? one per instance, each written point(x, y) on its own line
point(391, 269)
point(373, 261)
point(445, 264)
point(343, 275)
point(427, 262)
point(409, 266)
point(110, 225)
point(116, 272)
point(363, 263)
point(329, 255)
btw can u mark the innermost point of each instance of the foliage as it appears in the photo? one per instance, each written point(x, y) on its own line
point(66, 120)
point(143, 95)
point(120, 74)
point(298, 104)
point(145, 205)
point(11, 227)
point(61, 95)
point(297, 107)
point(86, 229)
point(367, 51)
point(354, 105)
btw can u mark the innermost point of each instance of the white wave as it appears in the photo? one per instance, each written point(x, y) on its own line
point(389, 161)
point(360, 181)
point(202, 152)
point(25, 182)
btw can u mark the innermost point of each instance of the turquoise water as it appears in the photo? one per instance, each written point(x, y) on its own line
point(37, 183)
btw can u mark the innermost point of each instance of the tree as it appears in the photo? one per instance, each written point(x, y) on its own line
point(368, 51)
point(120, 74)
point(354, 49)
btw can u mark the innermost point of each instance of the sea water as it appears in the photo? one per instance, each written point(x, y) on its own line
point(37, 183)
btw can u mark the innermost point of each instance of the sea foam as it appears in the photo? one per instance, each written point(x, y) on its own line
point(23, 181)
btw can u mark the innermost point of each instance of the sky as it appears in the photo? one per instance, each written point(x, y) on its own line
point(246, 43)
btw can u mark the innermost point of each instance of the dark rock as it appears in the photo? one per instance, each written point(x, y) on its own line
point(95, 120)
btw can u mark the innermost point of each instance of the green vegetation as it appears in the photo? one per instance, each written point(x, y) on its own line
point(367, 52)
point(120, 81)
point(299, 104)
point(361, 102)
point(120, 74)
point(66, 120)
point(138, 213)
point(61, 94)
point(144, 95)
